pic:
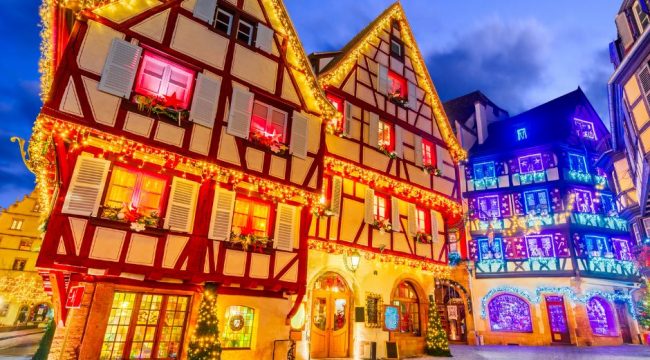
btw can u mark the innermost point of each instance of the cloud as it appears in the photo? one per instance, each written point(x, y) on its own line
point(505, 60)
point(594, 78)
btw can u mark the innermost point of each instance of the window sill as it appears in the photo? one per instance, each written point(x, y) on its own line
point(122, 225)
point(262, 249)
point(184, 122)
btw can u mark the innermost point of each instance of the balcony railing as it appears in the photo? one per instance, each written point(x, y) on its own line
point(608, 267)
point(523, 267)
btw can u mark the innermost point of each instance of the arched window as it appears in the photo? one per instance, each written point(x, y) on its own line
point(601, 317)
point(406, 299)
point(238, 329)
point(511, 313)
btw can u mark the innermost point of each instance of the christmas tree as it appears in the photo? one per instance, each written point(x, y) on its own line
point(643, 309)
point(436, 339)
point(205, 340)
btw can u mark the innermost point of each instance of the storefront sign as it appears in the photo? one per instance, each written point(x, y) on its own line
point(75, 295)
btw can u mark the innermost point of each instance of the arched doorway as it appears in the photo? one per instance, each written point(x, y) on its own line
point(451, 308)
point(39, 313)
point(23, 312)
point(330, 317)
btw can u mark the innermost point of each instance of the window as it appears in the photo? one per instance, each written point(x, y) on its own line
point(577, 163)
point(484, 170)
point(17, 224)
point(540, 246)
point(385, 135)
point(489, 251)
point(251, 217)
point(488, 207)
point(585, 129)
point(269, 121)
point(396, 85)
point(238, 330)
point(511, 313)
point(19, 264)
point(601, 317)
point(4, 309)
point(245, 32)
point(428, 153)
point(223, 21)
point(406, 299)
point(380, 207)
point(163, 79)
point(530, 163)
point(422, 221)
point(596, 245)
point(37, 207)
point(621, 249)
point(640, 15)
point(135, 329)
point(536, 202)
point(396, 48)
point(521, 134)
point(608, 204)
point(583, 201)
point(130, 190)
point(25, 245)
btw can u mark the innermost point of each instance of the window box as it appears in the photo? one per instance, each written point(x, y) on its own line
point(383, 225)
point(161, 106)
point(256, 243)
point(131, 216)
point(430, 169)
point(269, 141)
point(423, 237)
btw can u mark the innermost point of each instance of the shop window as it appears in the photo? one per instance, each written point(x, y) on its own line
point(19, 264)
point(17, 224)
point(577, 163)
point(540, 246)
point(238, 330)
point(422, 221)
point(133, 194)
point(583, 201)
point(251, 217)
point(488, 207)
point(585, 129)
point(510, 313)
point(164, 80)
point(601, 317)
point(536, 202)
point(380, 207)
point(245, 32)
point(406, 299)
point(530, 163)
point(484, 170)
point(621, 249)
point(223, 21)
point(268, 122)
point(596, 245)
point(428, 153)
point(397, 86)
point(490, 250)
point(385, 135)
point(145, 326)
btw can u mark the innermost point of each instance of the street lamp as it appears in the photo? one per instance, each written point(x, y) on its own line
point(352, 261)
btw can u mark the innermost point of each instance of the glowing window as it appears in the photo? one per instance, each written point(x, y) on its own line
point(484, 170)
point(521, 134)
point(488, 251)
point(380, 207)
point(269, 121)
point(428, 153)
point(19, 264)
point(397, 85)
point(488, 207)
point(540, 246)
point(584, 201)
point(585, 129)
point(536, 202)
point(530, 163)
point(251, 217)
point(577, 163)
point(621, 249)
point(385, 135)
point(596, 245)
point(161, 78)
point(17, 224)
point(245, 32)
point(406, 299)
point(238, 329)
point(422, 220)
point(601, 317)
point(131, 189)
point(510, 313)
point(340, 107)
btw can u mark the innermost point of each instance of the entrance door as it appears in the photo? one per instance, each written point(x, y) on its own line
point(623, 324)
point(330, 314)
point(451, 309)
point(557, 319)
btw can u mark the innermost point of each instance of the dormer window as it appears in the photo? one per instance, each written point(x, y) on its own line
point(396, 48)
point(585, 129)
point(163, 79)
point(530, 163)
point(223, 21)
point(245, 32)
point(397, 86)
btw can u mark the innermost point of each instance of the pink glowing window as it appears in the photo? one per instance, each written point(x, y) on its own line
point(161, 78)
point(269, 121)
point(397, 85)
point(428, 152)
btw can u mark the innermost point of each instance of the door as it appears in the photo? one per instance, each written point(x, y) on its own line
point(557, 319)
point(330, 318)
point(623, 324)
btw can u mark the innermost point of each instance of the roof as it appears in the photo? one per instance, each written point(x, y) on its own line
point(461, 108)
point(544, 124)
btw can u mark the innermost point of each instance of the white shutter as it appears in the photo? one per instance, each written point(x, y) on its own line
point(369, 206)
point(439, 161)
point(181, 205)
point(434, 225)
point(222, 210)
point(382, 82)
point(399, 143)
point(337, 195)
point(205, 99)
point(86, 186)
point(205, 10)
point(418, 151)
point(373, 131)
point(120, 68)
point(624, 30)
point(284, 227)
point(299, 134)
point(413, 222)
point(241, 108)
point(264, 38)
point(347, 118)
point(394, 214)
point(413, 96)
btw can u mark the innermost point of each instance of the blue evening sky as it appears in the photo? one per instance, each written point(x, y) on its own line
point(519, 53)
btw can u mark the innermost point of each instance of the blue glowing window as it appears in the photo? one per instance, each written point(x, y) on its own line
point(596, 245)
point(536, 202)
point(578, 163)
point(484, 170)
point(521, 134)
point(488, 207)
point(607, 203)
point(489, 251)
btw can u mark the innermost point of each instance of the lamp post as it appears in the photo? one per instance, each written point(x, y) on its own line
point(352, 261)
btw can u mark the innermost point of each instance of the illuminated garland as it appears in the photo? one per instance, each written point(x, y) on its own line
point(377, 180)
point(338, 73)
point(439, 271)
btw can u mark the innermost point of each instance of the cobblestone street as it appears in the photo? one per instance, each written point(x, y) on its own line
point(549, 353)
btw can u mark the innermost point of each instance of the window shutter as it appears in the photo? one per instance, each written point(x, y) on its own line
point(394, 214)
point(181, 205)
point(624, 31)
point(205, 10)
point(347, 118)
point(434, 225)
point(120, 68)
point(337, 195)
point(284, 227)
point(413, 222)
point(369, 206)
point(241, 108)
point(373, 131)
point(418, 151)
point(86, 186)
point(204, 103)
point(399, 144)
point(439, 161)
point(413, 96)
point(382, 82)
point(222, 210)
point(264, 38)
point(299, 134)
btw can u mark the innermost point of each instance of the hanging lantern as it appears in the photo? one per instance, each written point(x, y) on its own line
point(352, 261)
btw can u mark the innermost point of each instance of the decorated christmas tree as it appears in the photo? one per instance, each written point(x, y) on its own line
point(205, 340)
point(643, 309)
point(436, 339)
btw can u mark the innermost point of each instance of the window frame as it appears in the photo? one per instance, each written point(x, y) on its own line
point(537, 198)
point(485, 216)
point(393, 77)
point(482, 166)
point(611, 202)
point(252, 327)
point(431, 159)
point(617, 249)
point(537, 238)
point(588, 195)
point(376, 207)
point(589, 243)
point(17, 224)
point(497, 243)
point(579, 123)
point(529, 329)
point(531, 156)
point(28, 244)
point(22, 262)
point(251, 34)
point(398, 55)
point(581, 159)
point(382, 126)
point(249, 218)
point(137, 187)
point(269, 119)
point(423, 215)
point(139, 89)
point(640, 16)
point(230, 23)
point(409, 302)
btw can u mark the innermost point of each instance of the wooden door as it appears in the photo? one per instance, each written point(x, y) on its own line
point(340, 310)
point(330, 324)
point(623, 323)
point(319, 324)
point(557, 320)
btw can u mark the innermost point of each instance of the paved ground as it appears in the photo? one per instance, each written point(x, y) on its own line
point(22, 346)
point(628, 352)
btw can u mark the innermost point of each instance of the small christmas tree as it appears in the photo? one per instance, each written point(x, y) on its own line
point(643, 309)
point(436, 339)
point(205, 343)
